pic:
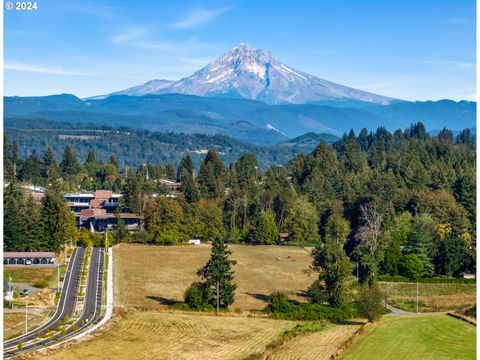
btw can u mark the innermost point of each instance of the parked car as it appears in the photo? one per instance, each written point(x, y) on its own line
point(28, 262)
point(25, 292)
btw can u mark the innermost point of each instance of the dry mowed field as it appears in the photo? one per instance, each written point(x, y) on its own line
point(151, 277)
point(318, 345)
point(432, 297)
point(162, 335)
point(14, 322)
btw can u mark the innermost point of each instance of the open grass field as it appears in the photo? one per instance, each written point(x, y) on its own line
point(151, 277)
point(416, 338)
point(162, 335)
point(14, 323)
point(31, 275)
point(432, 297)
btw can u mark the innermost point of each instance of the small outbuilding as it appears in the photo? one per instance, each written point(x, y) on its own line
point(194, 241)
point(29, 258)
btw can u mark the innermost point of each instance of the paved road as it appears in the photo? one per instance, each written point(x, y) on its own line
point(91, 311)
point(66, 303)
point(398, 312)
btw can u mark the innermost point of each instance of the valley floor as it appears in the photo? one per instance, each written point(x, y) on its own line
point(149, 278)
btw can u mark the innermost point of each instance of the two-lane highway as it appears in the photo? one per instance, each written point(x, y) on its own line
point(92, 310)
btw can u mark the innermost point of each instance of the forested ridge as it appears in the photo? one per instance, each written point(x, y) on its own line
point(387, 203)
point(133, 146)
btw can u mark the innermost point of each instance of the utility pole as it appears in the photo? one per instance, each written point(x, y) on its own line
point(386, 294)
point(417, 297)
point(218, 297)
point(26, 315)
point(58, 277)
point(10, 290)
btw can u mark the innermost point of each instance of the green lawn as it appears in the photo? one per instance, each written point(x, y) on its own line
point(416, 338)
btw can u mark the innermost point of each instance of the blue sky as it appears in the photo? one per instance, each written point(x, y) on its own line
point(415, 50)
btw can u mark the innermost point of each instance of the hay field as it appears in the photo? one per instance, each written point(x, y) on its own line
point(162, 335)
point(420, 337)
point(432, 297)
point(320, 345)
point(151, 277)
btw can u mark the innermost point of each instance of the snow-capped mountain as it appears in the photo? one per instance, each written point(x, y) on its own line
point(246, 72)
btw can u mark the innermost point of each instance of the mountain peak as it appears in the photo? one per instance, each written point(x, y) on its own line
point(251, 73)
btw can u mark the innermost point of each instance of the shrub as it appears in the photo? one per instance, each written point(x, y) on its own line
point(20, 345)
point(197, 296)
point(370, 302)
point(312, 312)
point(280, 307)
point(42, 284)
point(167, 238)
point(316, 293)
point(279, 303)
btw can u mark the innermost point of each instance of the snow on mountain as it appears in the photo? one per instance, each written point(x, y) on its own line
point(246, 72)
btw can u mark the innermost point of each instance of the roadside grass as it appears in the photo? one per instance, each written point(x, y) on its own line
point(432, 297)
point(153, 277)
point(14, 322)
point(30, 275)
point(163, 335)
point(435, 336)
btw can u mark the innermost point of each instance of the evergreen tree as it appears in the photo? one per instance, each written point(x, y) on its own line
point(217, 275)
point(15, 226)
point(170, 171)
point(91, 158)
point(49, 161)
point(452, 256)
point(58, 219)
point(190, 189)
point(211, 176)
point(69, 165)
point(185, 168)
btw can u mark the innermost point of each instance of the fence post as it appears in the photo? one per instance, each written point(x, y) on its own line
point(417, 297)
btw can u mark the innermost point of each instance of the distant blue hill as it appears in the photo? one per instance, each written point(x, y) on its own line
point(247, 120)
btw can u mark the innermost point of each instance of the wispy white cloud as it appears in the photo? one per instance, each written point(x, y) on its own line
point(130, 34)
point(43, 69)
point(196, 61)
point(462, 64)
point(199, 16)
point(457, 21)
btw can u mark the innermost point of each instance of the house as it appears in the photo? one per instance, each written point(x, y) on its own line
point(104, 199)
point(283, 236)
point(194, 241)
point(468, 275)
point(29, 258)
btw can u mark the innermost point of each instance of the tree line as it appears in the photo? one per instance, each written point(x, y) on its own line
point(400, 203)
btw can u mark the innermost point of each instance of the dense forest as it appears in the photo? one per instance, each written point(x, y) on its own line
point(133, 147)
point(399, 203)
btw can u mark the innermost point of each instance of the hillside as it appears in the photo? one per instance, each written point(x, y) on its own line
point(247, 120)
point(132, 147)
